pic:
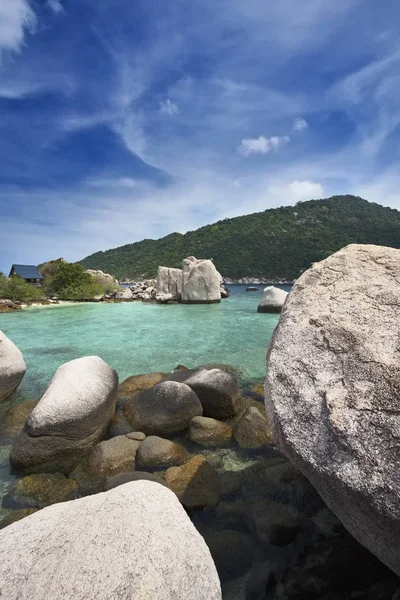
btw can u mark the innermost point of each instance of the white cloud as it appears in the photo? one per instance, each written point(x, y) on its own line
point(169, 108)
point(55, 6)
point(261, 145)
point(305, 190)
point(300, 124)
point(16, 17)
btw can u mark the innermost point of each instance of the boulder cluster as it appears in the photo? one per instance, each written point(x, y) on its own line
point(91, 455)
point(198, 282)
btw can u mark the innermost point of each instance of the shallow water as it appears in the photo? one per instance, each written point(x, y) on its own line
point(279, 527)
point(142, 337)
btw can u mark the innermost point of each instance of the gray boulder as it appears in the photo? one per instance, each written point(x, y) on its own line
point(333, 390)
point(113, 456)
point(200, 282)
point(152, 550)
point(273, 300)
point(217, 390)
point(209, 432)
point(252, 430)
point(12, 367)
point(125, 294)
point(71, 416)
point(157, 453)
point(166, 409)
point(169, 283)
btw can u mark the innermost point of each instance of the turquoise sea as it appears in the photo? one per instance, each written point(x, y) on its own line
point(141, 337)
point(136, 337)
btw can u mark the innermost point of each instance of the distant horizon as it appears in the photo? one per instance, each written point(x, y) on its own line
point(124, 121)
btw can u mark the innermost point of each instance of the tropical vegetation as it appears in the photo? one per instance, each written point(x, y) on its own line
point(277, 244)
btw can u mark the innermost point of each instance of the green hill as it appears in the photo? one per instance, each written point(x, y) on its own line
point(277, 244)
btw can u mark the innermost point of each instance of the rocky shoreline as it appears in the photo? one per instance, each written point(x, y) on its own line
point(92, 453)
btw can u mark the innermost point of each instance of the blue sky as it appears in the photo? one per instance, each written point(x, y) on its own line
point(121, 119)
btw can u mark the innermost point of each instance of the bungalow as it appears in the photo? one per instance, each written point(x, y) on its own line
point(28, 272)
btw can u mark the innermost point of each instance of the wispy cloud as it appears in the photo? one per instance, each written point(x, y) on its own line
point(169, 108)
point(16, 19)
point(56, 6)
point(261, 145)
point(123, 120)
point(299, 124)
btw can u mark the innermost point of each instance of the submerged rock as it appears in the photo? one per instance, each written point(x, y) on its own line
point(200, 282)
point(153, 550)
point(12, 367)
point(253, 431)
point(195, 483)
point(332, 390)
point(15, 417)
point(137, 383)
point(16, 515)
point(273, 300)
point(38, 491)
point(165, 410)
point(72, 416)
point(232, 552)
point(209, 432)
point(157, 453)
point(122, 478)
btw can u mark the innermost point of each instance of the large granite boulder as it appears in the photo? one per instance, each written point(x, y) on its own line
point(200, 282)
point(272, 300)
point(333, 390)
point(12, 367)
point(166, 409)
point(169, 284)
point(134, 541)
point(71, 416)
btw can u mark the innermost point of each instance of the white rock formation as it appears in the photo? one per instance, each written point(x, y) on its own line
point(71, 416)
point(200, 282)
point(12, 367)
point(125, 294)
point(103, 278)
point(333, 390)
point(169, 281)
point(273, 300)
point(132, 542)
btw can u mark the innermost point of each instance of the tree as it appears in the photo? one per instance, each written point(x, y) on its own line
point(71, 282)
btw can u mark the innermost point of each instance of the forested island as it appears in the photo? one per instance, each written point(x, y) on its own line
point(277, 244)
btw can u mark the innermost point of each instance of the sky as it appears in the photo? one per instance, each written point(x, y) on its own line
point(129, 119)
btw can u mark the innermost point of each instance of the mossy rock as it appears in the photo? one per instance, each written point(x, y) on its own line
point(138, 383)
point(40, 490)
point(16, 515)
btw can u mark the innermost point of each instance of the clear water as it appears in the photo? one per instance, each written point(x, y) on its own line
point(142, 337)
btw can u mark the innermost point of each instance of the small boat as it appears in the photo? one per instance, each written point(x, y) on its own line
point(251, 289)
